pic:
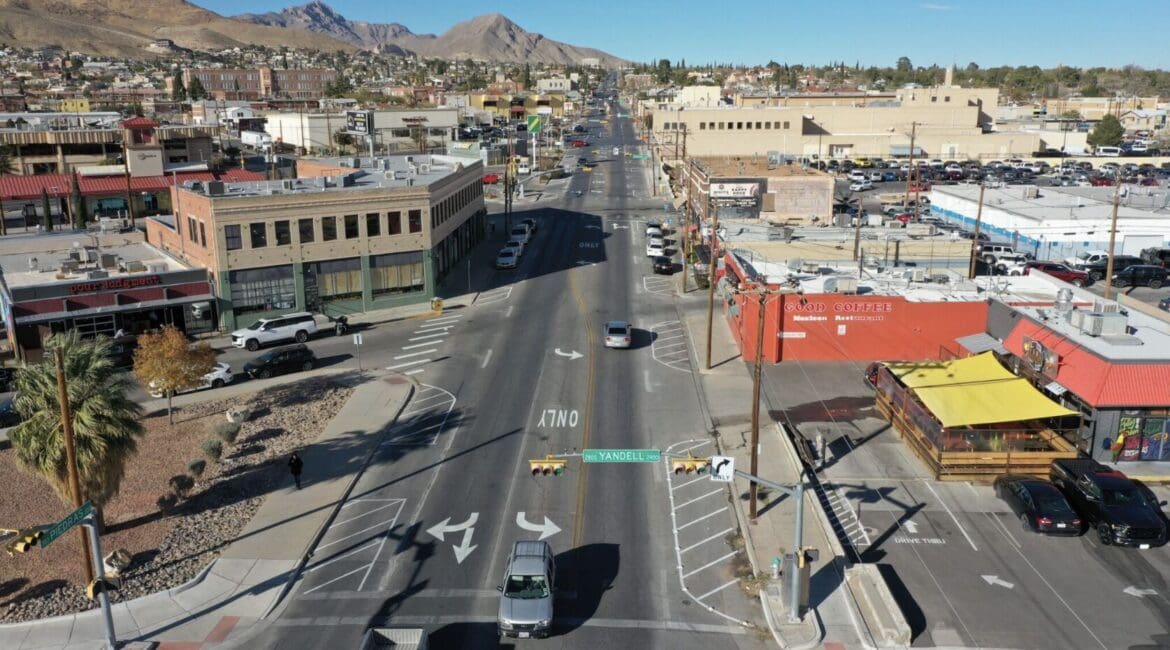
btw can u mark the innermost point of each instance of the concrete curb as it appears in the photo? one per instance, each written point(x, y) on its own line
point(820, 635)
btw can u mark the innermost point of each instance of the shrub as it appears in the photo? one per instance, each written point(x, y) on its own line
point(195, 467)
point(181, 483)
point(213, 449)
point(167, 502)
point(227, 431)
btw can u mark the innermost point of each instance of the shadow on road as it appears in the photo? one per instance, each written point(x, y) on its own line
point(588, 571)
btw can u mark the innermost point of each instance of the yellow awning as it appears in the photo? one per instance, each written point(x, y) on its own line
point(979, 368)
point(1012, 400)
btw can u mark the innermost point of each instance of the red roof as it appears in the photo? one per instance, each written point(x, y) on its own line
point(138, 123)
point(28, 188)
point(1099, 382)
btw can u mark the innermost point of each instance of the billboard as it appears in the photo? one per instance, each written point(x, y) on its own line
point(734, 190)
point(359, 122)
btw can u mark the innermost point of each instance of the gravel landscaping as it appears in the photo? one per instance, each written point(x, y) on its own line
point(169, 544)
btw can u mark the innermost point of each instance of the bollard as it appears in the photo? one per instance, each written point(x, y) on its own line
point(775, 568)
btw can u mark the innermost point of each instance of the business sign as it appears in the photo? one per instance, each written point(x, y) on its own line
point(734, 190)
point(1041, 359)
point(115, 284)
point(359, 122)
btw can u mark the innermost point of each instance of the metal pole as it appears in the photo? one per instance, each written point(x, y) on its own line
point(856, 228)
point(711, 280)
point(95, 547)
point(798, 550)
point(1112, 240)
point(975, 239)
point(910, 172)
point(756, 403)
point(71, 453)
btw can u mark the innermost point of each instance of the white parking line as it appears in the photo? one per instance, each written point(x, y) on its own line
point(690, 482)
point(356, 517)
point(415, 354)
point(508, 313)
point(441, 319)
point(344, 555)
point(709, 564)
point(340, 577)
point(699, 498)
point(428, 336)
point(717, 589)
point(486, 358)
point(433, 329)
point(704, 517)
point(698, 544)
point(646, 381)
point(953, 517)
point(407, 364)
point(413, 372)
point(417, 345)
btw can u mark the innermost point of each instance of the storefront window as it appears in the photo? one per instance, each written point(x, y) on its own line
point(338, 279)
point(396, 273)
point(266, 289)
point(394, 223)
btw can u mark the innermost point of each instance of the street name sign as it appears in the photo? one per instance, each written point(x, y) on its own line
point(71, 520)
point(622, 455)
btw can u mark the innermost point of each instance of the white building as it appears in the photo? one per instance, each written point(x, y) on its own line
point(394, 131)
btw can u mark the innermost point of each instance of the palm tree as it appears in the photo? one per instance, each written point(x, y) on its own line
point(105, 422)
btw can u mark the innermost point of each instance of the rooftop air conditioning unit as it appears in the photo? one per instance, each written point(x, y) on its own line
point(215, 188)
point(1099, 324)
point(841, 285)
point(97, 275)
point(289, 184)
point(156, 267)
point(918, 275)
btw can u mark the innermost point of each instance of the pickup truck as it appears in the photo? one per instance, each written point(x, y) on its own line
point(1108, 501)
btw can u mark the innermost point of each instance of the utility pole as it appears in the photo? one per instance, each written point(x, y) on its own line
point(910, 174)
point(126, 170)
point(711, 270)
point(756, 397)
point(856, 229)
point(975, 239)
point(71, 455)
point(1112, 240)
point(685, 222)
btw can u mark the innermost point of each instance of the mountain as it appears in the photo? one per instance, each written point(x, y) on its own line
point(491, 37)
point(126, 27)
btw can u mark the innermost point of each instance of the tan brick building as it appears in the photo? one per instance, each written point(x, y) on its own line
point(260, 83)
point(752, 187)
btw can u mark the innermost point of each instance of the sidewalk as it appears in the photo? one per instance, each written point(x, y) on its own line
point(725, 394)
point(256, 571)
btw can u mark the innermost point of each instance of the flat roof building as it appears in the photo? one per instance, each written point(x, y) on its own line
point(751, 187)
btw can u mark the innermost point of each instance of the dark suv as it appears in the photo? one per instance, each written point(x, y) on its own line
point(1120, 263)
point(1107, 500)
point(1142, 275)
point(280, 361)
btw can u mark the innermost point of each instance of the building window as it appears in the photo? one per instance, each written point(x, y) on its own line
point(739, 125)
point(231, 234)
point(202, 235)
point(328, 228)
point(351, 227)
point(305, 226)
point(702, 126)
point(396, 273)
point(767, 125)
point(191, 229)
point(394, 223)
point(775, 125)
point(721, 126)
point(267, 289)
point(373, 224)
point(749, 125)
point(934, 98)
point(259, 234)
point(946, 99)
point(338, 279)
point(415, 220)
point(757, 125)
point(283, 233)
point(786, 125)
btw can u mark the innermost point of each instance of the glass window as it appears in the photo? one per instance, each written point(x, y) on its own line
point(328, 228)
point(786, 125)
point(283, 233)
point(266, 289)
point(373, 224)
point(259, 234)
point(415, 218)
point(338, 279)
point(202, 234)
point(749, 125)
point(351, 227)
point(767, 125)
point(232, 236)
point(305, 226)
point(394, 223)
point(396, 273)
point(702, 126)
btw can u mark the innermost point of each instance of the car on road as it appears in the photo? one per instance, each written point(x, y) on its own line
point(520, 232)
point(531, 223)
point(861, 186)
point(506, 258)
point(618, 334)
point(582, 161)
point(663, 264)
point(1142, 275)
point(1040, 507)
point(297, 327)
point(527, 594)
point(1060, 272)
point(1107, 500)
point(655, 246)
point(1164, 304)
point(516, 246)
point(281, 361)
point(220, 375)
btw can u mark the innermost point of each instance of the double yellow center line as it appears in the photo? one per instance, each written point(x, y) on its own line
point(586, 421)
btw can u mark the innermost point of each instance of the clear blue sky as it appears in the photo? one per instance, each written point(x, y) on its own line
point(1078, 33)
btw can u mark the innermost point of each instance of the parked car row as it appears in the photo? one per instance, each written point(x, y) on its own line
point(518, 238)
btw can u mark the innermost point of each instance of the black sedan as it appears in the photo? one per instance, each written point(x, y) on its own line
point(663, 264)
point(280, 361)
point(1040, 506)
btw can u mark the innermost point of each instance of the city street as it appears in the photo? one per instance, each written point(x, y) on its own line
point(520, 374)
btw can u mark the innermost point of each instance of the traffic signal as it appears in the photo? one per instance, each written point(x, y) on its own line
point(690, 465)
point(547, 465)
point(25, 539)
point(104, 584)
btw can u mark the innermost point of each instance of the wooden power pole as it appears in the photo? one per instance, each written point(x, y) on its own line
point(1112, 240)
point(978, 224)
point(756, 377)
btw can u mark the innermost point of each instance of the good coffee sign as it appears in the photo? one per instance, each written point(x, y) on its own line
point(115, 284)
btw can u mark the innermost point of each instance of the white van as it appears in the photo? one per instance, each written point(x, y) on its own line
point(1112, 152)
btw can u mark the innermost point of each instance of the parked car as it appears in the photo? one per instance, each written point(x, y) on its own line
point(655, 246)
point(506, 258)
point(220, 375)
point(663, 264)
point(618, 334)
point(1108, 501)
point(1060, 272)
point(527, 594)
point(280, 361)
point(1039, 505)
point(297, 327)
point(1096, 270)
point(516, 246)
point(1142, 275)
point(531, 224)
point(861, 186)
point(520, 232)
point(1164, 304)
point(9, 416)
point(991, 253)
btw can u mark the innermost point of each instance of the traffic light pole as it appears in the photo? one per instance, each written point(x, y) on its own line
point(797, 494)
point(95, 548)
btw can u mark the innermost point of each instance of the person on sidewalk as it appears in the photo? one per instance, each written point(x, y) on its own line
point(295, 465)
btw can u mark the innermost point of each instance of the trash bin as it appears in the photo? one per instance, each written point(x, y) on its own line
point(437, 304)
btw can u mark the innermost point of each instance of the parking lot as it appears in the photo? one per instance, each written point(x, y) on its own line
point(964, 571)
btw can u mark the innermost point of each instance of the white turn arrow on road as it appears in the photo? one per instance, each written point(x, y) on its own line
point(1134, 591)
point(910, 526)
point(547, 529)
point(994, 580)
point(573, 355)
point(465, 548)
point(444, 527)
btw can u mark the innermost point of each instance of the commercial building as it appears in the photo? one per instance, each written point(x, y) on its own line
point(750, 187)
point(394, 131)
point(516, 106)
point(261, 83)
point(348, 235)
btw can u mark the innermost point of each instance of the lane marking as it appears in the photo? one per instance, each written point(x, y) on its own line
point(717, 589)
point(508, 313)
point(407, 364)
point(433, 329)
point(646, 381)
point(430, 620)
point(428, 336)
point(706, 516)
point(356, 517)
point(441, 319)
point(338, 557)
point(340, 577)
point(953, 517)
point(415, 354)
point(417, 345)
point(486, 358)
point(699, 498)
point(698, 544)
point(413, 372)
point(709, 564)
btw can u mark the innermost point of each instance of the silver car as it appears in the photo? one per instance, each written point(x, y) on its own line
point(526, 600)
point(617, 334)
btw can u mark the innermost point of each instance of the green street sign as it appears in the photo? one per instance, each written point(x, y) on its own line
point(622, 455)
point(534, 124)
point(61, 527)
point(640, 156)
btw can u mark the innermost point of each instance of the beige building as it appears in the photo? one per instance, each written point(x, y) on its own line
point(753, 187)
point(346, 236)
point(519, 105)
point(260, 83)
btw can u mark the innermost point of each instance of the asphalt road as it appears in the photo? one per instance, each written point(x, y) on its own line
point(520, 374)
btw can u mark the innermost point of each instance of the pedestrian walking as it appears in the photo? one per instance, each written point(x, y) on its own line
point(295, 465)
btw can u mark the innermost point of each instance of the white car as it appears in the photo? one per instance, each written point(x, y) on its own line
point(618, 334)
point(860, 186)
point(297, 327)
point(655, 247)
point(516, 246)
point(653, 231)
point(221, 374)
point(506, 259)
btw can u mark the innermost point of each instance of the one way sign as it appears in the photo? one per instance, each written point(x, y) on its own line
point(722, 468)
